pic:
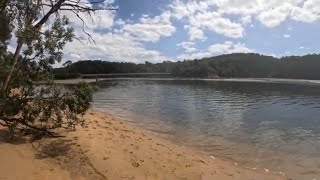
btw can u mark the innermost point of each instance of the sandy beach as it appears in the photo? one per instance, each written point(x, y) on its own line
point(109, 148)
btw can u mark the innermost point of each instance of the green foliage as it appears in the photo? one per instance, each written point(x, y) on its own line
point(25, 105)
point(45, 108)
point(195, 68)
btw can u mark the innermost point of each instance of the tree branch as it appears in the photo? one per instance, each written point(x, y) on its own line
point(45, 18)
point(23, 122)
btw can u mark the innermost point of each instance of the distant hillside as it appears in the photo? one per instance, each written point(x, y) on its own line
point(231, 65)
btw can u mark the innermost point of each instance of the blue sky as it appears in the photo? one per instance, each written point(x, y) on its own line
point(158, 30)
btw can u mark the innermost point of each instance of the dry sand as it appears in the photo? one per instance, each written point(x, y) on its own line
point(108, 148)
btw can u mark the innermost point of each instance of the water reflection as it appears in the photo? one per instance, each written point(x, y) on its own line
point(258, 124)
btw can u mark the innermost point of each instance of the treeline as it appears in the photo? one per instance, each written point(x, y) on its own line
point(232, 65)
point(104, 67)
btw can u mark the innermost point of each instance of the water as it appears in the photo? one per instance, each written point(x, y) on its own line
point(257, 125)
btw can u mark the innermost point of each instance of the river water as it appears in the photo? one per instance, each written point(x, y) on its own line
point(274, 126)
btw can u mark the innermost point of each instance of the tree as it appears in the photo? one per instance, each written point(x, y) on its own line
point(40, 32)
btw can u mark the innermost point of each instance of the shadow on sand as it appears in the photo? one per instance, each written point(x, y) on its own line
point(61, 151)
point(6, 138)
point(58, 147)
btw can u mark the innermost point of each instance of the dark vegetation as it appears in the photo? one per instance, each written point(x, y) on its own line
point(24, 105)
point(232, 65)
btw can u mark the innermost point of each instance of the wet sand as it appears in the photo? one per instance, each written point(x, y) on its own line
point(108, 148)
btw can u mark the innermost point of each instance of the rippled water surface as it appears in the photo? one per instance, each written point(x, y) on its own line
point(258, 125)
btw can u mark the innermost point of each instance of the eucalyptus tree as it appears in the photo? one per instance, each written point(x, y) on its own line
point(33, 34)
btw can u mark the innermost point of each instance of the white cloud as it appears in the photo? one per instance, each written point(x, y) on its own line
point(145, 15)
point(200, 18)
point(102, 19)
point(238, 7)
point(214, 22)
point(275, 16)
point(195, 33)
point(103, 4)
point(240, 48)
point(128, 39)
point(122, 44)
point(227, 47)
point(116, 47)
point(309, 12)
point(246, 20)
point(220, 48)
point(151, 29)
point(187, 46)
point(98, 20)
point(120, 22)
point(180, 9)
point(75, 56)
point(270, 13)
point(11, 47)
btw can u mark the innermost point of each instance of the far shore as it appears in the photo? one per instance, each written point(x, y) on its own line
point(109, 148)
point(257, 80)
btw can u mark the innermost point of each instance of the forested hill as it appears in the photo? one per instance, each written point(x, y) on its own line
point(232, 65)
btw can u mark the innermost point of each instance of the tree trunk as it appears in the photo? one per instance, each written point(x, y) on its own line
point(13, 66)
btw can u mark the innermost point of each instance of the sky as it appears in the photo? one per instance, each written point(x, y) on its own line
point(159, 30)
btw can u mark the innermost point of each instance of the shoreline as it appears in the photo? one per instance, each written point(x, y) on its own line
point(248, 80)
point(110, 148)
